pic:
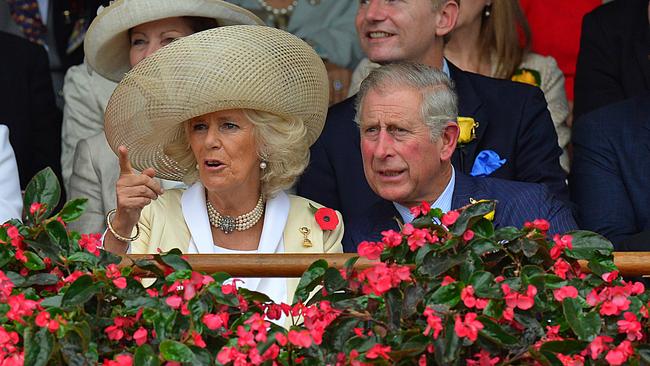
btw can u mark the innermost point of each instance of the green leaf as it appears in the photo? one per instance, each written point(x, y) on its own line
point(495, 333)
point(482, 246)
point(38, 346)
point(34, 262)
point(43, 188)
point(221, 298)
point(586, 327)
point(41, 279)
point(507, 234)
point(434, 265)
point(446, 295)
point(175, 261)
point(333, 280)
point(309, 280)
point(150, 266)
point(176, 351)
point(483, 229)
point(73, 209)
point(57, 234)
point(413, 295)
point(565, 347)
point(470, 215)
point(253, 296)
point(85, 258)
point(484, 285)
point(46, 248)
point(529, 247)
point(589, 245)
point(644, 352)
point(81, 290)
point(52, 302)
point(202, 357)
point(145, 356)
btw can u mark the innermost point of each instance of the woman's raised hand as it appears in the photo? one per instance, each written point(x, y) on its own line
point(134, 191)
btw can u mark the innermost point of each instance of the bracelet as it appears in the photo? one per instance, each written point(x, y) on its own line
point(115, 234)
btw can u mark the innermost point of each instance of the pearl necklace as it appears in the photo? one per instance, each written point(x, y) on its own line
point(228, 224)
point(275, 11)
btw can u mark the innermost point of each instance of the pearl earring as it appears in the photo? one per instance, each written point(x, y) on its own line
point(263, 165)
point(487, 10)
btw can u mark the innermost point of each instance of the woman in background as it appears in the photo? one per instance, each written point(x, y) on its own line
point(121, 36)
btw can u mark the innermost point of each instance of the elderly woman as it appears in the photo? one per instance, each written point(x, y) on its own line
point(232, 112)
point(122, 35)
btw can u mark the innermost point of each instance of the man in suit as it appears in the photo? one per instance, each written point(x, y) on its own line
point(614, 59)
point(610, 176)
point(407, 117)
point(27, 107)
point(512, 117)
point(58, 25)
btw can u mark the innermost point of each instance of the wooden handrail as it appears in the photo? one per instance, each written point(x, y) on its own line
point(293, 265)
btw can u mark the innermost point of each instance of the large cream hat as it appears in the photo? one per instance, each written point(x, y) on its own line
point(236, 67)
point(106, 44)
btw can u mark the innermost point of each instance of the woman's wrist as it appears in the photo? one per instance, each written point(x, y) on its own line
point(121, 227)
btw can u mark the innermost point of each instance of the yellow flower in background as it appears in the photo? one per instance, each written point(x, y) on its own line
point(490, 215)
point(467, 127)
point(527, 76)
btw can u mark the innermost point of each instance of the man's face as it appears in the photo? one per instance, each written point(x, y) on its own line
point(400, 160)
point(403, 30)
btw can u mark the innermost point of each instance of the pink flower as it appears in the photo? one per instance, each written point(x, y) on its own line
point(36, 208)
point(631, 326)
point(20, 307)
point(422, 209)
point(561, 267)
point(469, 327)
point(568, 360)
point(482, 358)
point(120, 283)
point(123, 359)
point(91, 242)
point(597, 346)
point(198, 340)
point(281, 339)
point(370, 250)
point(433, 323)
point(517, 300)
point(610, 276)
point(391, 238)
point(300, 338)
point(561, 243)
point(6, 286)
point(174, 301)
point(467, 295)
point(447, 280)
point(418, 238)
point(140, 336)
point(450, 218)
point(620, 354)
point(564, 292)
point(378, 351)
point(468, 235)
point(215, 321)
point(539, 224)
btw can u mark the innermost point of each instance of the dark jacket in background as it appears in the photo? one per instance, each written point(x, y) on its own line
point(610, 176)
point(27, 107)
point(614, 59)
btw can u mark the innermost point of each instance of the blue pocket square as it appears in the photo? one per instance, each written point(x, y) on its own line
point(487, 161)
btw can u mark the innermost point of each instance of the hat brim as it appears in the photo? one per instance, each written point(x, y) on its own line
point(237, 67)
point(106, 44)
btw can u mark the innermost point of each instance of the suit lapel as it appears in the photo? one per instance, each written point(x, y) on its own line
point(381, 217)
point(469, 105)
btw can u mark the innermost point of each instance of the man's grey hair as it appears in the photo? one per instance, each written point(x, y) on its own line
point(439, 102)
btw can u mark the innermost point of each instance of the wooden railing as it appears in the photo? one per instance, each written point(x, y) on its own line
point(293, 265)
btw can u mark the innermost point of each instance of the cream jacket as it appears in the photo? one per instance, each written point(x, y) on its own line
point(178, 219)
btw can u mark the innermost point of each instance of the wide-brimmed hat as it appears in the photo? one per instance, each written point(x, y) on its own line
point(106, 44)
point(237, 67)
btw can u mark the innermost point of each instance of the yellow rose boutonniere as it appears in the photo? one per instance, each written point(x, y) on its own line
point(527, 76)
point(489, 215)
point(468, 128)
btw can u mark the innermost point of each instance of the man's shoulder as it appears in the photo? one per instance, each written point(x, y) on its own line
point(492, 88)
point(509, 190)
point(343, 110)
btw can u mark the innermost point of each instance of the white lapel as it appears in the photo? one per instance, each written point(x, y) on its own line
point(196, 218)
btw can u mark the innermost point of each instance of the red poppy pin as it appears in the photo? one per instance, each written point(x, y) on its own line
point(326, 218)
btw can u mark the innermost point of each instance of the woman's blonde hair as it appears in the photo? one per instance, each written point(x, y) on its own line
point(506, 34)
point(281, 143)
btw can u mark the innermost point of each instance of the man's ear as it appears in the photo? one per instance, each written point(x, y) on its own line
point(446, 17)
point(449, 140)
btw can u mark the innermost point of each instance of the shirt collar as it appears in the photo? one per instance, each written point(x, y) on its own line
point(445, 67)
point(443, 201)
